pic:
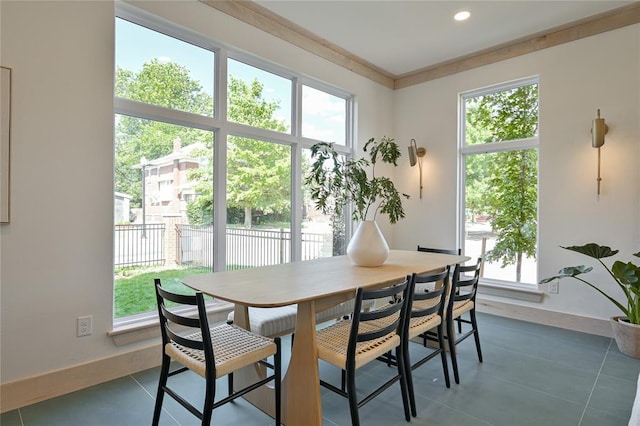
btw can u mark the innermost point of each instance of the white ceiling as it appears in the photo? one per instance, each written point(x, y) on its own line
point(401, 37)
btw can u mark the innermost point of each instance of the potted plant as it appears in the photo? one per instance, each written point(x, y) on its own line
point(626, 329)
point(336, 181)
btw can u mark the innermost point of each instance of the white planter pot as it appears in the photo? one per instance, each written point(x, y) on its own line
point(368, 246)
point(627, 336)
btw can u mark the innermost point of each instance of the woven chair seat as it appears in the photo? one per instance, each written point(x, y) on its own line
point(233, 347)
point(420, 325)
point(425, 304)
point(332, 344)
point(460, 308)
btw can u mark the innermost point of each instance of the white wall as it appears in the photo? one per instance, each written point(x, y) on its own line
point(57, 252)
point(576, 79)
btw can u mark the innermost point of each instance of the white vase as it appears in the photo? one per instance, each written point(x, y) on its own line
point(368, 246)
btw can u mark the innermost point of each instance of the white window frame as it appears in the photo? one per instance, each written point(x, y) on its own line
point(222, 128)
point(512, 289)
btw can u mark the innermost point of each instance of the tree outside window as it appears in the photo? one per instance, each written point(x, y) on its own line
point(500, 159)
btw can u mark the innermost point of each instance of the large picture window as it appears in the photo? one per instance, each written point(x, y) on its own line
point(499, 176)
point(178, 210)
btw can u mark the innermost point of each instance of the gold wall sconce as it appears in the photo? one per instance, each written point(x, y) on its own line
point(415, 156)
point(598, 130)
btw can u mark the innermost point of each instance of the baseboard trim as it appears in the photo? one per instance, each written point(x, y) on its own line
point(600, 327)
point(21, 393)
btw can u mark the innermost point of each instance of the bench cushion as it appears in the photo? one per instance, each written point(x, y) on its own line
point(274, 322)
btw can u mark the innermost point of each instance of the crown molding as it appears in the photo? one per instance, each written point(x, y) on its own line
point(614, 19)
point(265, 20)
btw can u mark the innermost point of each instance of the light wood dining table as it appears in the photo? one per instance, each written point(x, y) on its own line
point(314, 285)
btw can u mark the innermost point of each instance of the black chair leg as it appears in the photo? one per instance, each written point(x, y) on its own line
point(353, 397)
point(476, 336)
point(230, 382)
point(209, 395)
point(164, 374)
point(452, 350)
point(410, 390)
point(404, 371)
point(443, 355)
point(277, 371)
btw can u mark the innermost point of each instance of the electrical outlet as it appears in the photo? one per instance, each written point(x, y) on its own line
point(554, 287)
point(85, 327)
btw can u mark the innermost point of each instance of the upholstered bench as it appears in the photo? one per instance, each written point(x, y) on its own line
point(273, 322)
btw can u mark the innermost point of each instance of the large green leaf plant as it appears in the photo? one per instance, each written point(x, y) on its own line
point(626, 275)
point(336, 181)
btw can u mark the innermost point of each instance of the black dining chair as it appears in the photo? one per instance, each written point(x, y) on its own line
point(369, 334)
point(427, 314)
point(209, 352)
point(463, 300)
point(442, 251)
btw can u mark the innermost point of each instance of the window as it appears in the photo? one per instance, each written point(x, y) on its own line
point(150, 159)
point(160, 70)
point(249, 84)
point(499, 180)
point(188, 214)
point(258, 203)
point(324, 116)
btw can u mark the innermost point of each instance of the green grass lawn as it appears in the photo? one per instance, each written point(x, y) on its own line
point(135, 293)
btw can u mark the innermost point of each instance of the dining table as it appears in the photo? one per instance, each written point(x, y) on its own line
point(312, 285)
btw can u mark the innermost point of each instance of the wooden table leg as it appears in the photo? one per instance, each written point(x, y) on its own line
point(301, 401)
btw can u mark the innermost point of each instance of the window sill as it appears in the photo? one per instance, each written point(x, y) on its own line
point(528, 292)
point(145, 326)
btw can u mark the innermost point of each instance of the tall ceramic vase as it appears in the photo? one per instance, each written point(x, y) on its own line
point(368, 246)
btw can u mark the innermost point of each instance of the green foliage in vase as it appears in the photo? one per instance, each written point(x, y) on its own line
point(336, 181)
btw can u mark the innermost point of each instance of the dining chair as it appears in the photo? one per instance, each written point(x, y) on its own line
point(351, 343)
point(462, 300)
point(442, 251)
point(209, 352)
point(427, 314)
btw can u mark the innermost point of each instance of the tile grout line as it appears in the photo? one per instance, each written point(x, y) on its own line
point(154, 398)
point(456, 410)
point(20, 416)
point(595, 382)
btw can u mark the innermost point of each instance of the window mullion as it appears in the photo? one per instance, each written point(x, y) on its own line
point(500, 146)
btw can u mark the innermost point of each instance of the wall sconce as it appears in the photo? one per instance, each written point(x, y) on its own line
point(598, 130)
point(415, 156)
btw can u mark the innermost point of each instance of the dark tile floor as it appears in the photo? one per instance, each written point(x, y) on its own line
point(531, 375)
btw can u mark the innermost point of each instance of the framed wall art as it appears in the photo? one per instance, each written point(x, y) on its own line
point(5, 142)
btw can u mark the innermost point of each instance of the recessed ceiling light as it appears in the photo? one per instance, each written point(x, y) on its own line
point(461, 16)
